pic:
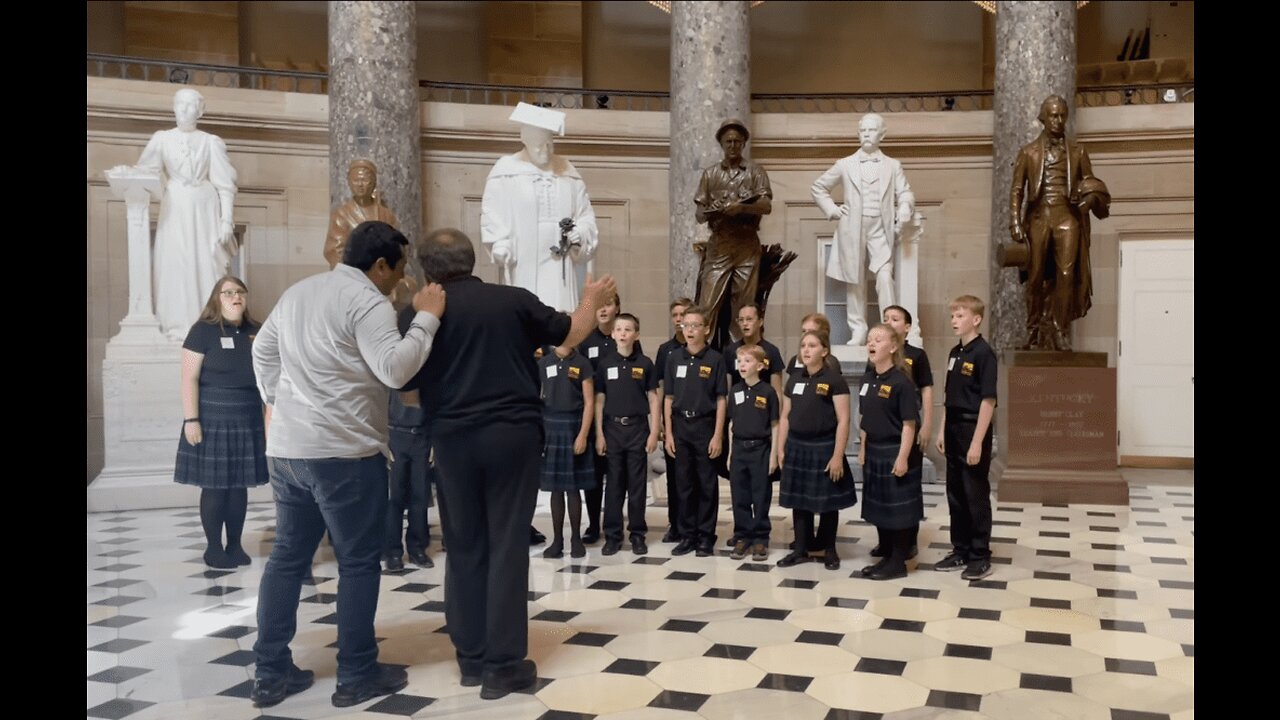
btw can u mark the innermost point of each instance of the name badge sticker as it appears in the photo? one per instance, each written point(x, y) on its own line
point(863, 391)
point(797, 389)
point(593, 352)
point(739, 397)
point(613, 373)
point(682, 371)
point(951, 363)
point(552, 371)
point(228, 343)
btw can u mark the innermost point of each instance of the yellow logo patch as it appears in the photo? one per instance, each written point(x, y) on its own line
point(909, 361)
point(966, 368)
point(637, 373)
point(885, 390)
point(762, 402)
point(704, 371)
point(822, 389)
point(766, 363)
point(574, 373)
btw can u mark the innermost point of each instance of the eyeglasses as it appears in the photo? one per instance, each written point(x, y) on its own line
point(233, 293)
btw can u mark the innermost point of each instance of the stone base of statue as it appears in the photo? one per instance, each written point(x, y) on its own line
point(1058, 417)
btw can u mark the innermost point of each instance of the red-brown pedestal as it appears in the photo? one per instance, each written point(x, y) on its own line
point(1061, 413)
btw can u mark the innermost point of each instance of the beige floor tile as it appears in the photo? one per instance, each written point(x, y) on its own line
point(564, 661)
point(982, 598)
point(582, 600)
point(893, 645)
point(1052, 589)
point(967, 631)
point(933, 713)
point(619, 621)
point(782, 597)
point(1022, 704)
point(1049, 620)
point(703, 608)
point(1180, 669)
point(912, 608)
point(834, 619)
point(632, 573)
point(759, 703)
point(862, 588)
point(646, 713)
point(961, 675)
point(868, 692)
point(707, 675)
point(1127, 645)
point(1135, 692)
point(598, 693)
point(659, 645)
point(1121, 609)
point(1042, 659)
point(755, 631)
point(664, 589)
point(808, 659)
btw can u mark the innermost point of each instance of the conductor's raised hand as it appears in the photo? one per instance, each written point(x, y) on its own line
point(430, 299)
point(600, 292)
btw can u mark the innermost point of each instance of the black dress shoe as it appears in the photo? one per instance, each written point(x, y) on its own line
point(830, 560)
point(877, 551)
point(469, 680)
point(706, 549)
point(591, 535)
point(888, 572)
point(732, 541)
point(420, 559)
point(671, 536)
point(238, 555)
point(577, 548)
point(638, 546)
point(611, 547)
point(496, 684)
point(685, 547)
point(554, 551)
point(266, 693)
point(794, 558)
point(535, 537)
point(393, 564)
point(219, 560)
point(386, 680)
point(866, 571)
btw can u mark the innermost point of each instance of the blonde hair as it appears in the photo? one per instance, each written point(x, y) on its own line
point(824, 325)
point(896, 355)
point(754, 351)
point(971, 303)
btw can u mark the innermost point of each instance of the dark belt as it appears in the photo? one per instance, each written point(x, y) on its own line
point(691, 414)
point(962, 416)
point(749, 443)
point(625, 420)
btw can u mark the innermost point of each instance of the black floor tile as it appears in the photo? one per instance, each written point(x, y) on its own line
point(1117, 714)
point(953, 700)
point(731, 652)
point(118, 621)
point(643, 604)
point(239, 658)
point(627, 666)
point(118, 674)
point(415, 588)
point(1124, 626)
point(690, 576)
point(1048, 638)
point(880, 666)
point(674, 700)
point(973, 652)
point(607, 585)
point(1117, 594)
point(768, 613)
point(1133, 667)
point(559, 616)
point(800, 584)
point(854, 603)
point(590, 639)
point(118, 708)
point(980, 614)
point(723, 593)
point(1045, 682)
point(232, 632)
point(400, 704)
point(1050, 603)
point(689, 626)
point(1180, 614)
point(920, 593)
point(820, 638)
point(435, 606)
point(118, 645)
point(1047, 575)
point(790, 683)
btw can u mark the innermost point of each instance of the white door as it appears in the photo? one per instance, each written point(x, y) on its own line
point(1156, 366)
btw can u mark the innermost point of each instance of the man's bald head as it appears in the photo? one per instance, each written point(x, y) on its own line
point(446, 254)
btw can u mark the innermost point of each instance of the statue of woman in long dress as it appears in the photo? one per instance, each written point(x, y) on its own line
point(194, 236)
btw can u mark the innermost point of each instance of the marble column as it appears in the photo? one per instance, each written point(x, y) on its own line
point(710, 82)
point(373, 104)
point(1035, 57)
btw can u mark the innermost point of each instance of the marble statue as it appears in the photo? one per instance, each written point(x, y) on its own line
point(732, 196)
point(195, 238)
point(365, 204)
point(878, 207)
point(536, 219)
point(1053, 192)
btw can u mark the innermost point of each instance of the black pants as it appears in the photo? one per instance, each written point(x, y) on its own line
point(750, 490)
point(628, 477)
point(488, 478)
point(410, 488)
point(968, 489)
point(673, 494)
point(696, 480)
point(826, 535)
point(594, 497)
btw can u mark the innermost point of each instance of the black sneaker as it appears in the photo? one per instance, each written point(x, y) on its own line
point(266, 693)
point(554, 551)
point(739, 550)
point(638, 546)
point(421, 559)
point(393, 564)
point(977, 569)
point(497, 683)
point(685, 547)
point(611, 547)
point(671, 536)
point(386, 680)
point(952, 562)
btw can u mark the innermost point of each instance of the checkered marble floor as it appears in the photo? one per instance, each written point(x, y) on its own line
point(1089, 616)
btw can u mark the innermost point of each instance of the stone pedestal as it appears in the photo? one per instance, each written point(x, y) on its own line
point(1059, 413)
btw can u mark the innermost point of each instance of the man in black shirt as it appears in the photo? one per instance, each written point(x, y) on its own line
point(480, 391)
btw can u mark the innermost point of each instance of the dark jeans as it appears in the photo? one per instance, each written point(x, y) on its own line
point(488, 478)
point(696, 480)
point(410, 488)
point(968, 490)
point(629, 476)
point(750, 490)
point(349, 497)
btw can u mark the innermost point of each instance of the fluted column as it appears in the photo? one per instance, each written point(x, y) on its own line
point(1035, 57)
point(373, 103)
point(710, 82)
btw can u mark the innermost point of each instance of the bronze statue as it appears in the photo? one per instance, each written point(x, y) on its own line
point(1055, 178)
point(734, 270)
point(365, 204)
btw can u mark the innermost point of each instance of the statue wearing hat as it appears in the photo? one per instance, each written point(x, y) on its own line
point(878, 208)
point(365, 204)
point(731, 197)
point(536, 219)
point(1054, 177)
